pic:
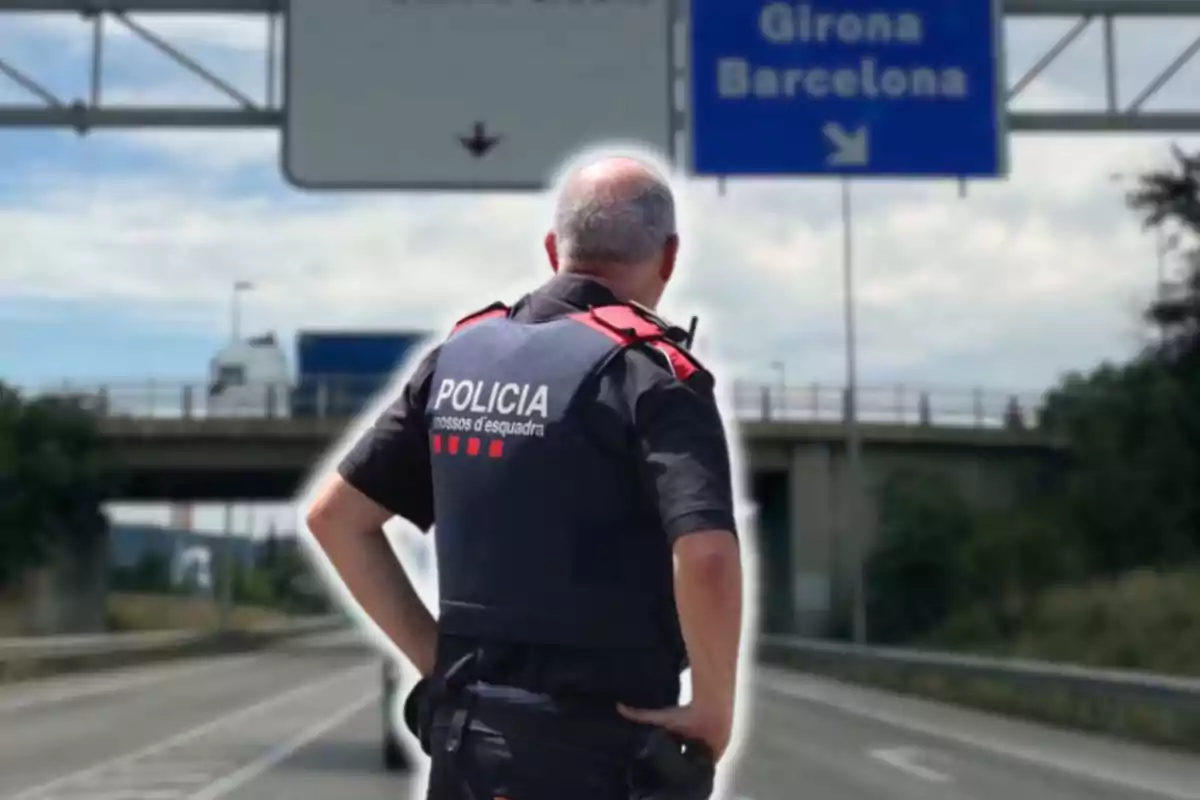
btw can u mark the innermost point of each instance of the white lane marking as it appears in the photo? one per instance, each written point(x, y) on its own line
point(905, 760)
point(34, 696)
point(1091, 770)
point(187, 735)
point(281, 752)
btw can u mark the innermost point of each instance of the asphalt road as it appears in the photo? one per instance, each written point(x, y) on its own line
point(303, 723)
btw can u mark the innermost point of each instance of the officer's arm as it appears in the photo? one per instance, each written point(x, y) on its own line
point(386, 474)
point(686, 468)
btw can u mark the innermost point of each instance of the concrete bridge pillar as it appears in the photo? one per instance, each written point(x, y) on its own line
point(812, 530)
point(67, 596)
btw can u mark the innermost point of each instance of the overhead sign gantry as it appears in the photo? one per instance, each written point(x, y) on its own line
point(493, 94)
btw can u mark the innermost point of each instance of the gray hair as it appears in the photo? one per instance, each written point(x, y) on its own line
point(620, 226)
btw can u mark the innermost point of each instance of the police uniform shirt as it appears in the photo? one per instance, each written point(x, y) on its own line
point(679, 449)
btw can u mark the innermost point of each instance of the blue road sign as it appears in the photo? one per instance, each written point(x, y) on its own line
point(849, 87)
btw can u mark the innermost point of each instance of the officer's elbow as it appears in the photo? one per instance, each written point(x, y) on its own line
point(709, 556)
point(319, 521)
point(341, 511)
point(325, 516)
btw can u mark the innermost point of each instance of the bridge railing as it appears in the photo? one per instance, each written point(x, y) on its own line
point(341, 397)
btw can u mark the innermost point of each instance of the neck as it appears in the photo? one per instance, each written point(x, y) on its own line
point(621, 287)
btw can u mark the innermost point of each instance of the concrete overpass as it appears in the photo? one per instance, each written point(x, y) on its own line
point(244, 460)
point(171, 443)
point(793, 441)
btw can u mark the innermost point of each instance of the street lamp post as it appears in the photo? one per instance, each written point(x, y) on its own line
point(855, 528)
point(239, 288)
point(225, 600)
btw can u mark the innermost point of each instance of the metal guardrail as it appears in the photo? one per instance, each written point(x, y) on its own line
point(1151, 707)
point(92, 644)
point(1175, 691)
point(53, 648)
point(1106, 683)
point(341, 397)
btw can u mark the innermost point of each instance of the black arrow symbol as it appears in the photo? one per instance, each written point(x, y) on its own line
point(479, 143)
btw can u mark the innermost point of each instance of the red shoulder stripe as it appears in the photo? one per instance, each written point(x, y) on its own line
point(491, 312)
point(681, 365)
point(625, 318)
point(625, 326)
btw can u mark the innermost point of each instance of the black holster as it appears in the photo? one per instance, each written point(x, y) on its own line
point(431, 693)
point(670, 768)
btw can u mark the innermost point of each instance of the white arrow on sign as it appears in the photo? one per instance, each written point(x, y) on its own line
point(850, 149)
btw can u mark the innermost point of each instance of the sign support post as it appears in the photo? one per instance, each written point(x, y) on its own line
point(886, 89)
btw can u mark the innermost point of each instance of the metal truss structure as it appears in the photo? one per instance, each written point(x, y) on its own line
point(48, 110)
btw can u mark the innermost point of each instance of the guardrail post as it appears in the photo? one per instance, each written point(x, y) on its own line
point(102, 401)
point(845, 405)
point(765, 393)
point(816, 401)
point(924, 412)
point(978, 395)
point(186, 401)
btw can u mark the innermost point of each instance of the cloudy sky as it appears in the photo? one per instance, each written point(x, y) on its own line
point(118, 250)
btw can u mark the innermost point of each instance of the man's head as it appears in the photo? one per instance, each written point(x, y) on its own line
point(615, 221)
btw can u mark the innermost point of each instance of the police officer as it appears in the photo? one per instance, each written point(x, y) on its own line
point(570, 451)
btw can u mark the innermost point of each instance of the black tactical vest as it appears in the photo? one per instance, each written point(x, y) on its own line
point(543, 535)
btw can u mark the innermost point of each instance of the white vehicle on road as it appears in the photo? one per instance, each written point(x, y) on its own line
point(398, 677)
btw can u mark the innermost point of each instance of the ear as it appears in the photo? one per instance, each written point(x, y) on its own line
point(670, 254)
point(551, 244)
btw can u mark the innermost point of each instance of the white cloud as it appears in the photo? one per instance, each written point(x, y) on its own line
point(206, 152)
point(1019, 280)
point(1006, 288)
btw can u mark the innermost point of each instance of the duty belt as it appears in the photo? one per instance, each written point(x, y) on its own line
point(666, 768)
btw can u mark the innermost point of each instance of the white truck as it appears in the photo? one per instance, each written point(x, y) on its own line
point(249, 378)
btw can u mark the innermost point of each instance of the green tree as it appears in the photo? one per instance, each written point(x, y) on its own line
point(1171, 197)
point(54, 479)
point(1129, 497)
point(252, 586)
point(151, 574)
point(913, 576)
point(1007, 561)
point(19, 546)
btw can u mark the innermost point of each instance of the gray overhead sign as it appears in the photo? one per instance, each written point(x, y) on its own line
point(469, 94)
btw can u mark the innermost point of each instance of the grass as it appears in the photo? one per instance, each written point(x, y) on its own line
point(137, 612)
point(145, 612)
point(1146, 620)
